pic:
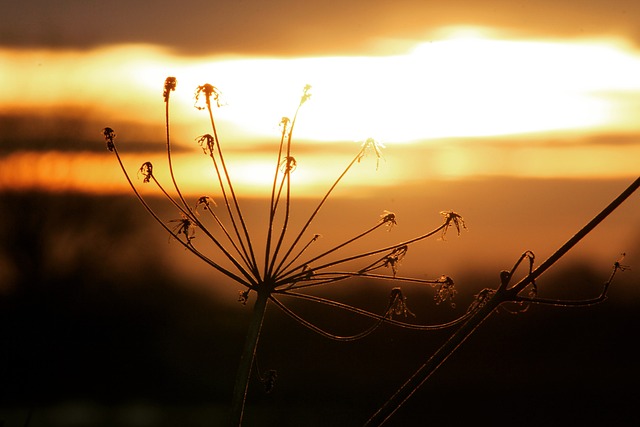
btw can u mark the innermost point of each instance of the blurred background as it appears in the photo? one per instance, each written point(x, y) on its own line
point(522, 118)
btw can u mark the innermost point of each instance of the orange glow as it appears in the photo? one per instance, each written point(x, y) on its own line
point(466, 86)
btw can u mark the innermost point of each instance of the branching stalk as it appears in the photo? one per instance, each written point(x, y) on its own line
point(484, 310)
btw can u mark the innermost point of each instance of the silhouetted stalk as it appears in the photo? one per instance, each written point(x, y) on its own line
point(187, 245)
point(250, 254)
point(292, 277)
point(365, 313)
point(192, 217)
point(342, 245)
point(319, 279)
point(302, 251)
point(439, 357)
point(577, 237)
point(287, 177)
point(169, 86)
point(278, 278)
point(314, 213)
point(274, 202)
point(246, 359)
point(324, 333)
point(486, 308)
point(230, 239)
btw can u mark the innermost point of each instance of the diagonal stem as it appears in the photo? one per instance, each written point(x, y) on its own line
point(434, 362)
point(577, 237)
point(484, 311)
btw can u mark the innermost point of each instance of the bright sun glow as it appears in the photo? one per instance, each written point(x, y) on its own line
point(460, 86)
point(449, 88)
point(465, 84)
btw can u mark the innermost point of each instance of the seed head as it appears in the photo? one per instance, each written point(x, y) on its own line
point(398, 304)
point(393, 259)
point(450, 217)
point(288, 164)
point(371, 145)
point(243, 297)
point(269, 380)
point(209, 91)
point(109, 135)
point(207, 143)
point(618, 264)
point(146, 170)
point(305, 94)
point(205, 201)
point(185, 227)
point(169, 86)
point(445, 290)
point(389, 218)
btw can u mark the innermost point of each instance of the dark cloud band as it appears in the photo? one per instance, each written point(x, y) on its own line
point(289, 27)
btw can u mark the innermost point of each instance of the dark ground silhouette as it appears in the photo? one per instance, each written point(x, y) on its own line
point(96, 328)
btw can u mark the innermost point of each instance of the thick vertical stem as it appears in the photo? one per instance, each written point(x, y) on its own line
point(246, 360)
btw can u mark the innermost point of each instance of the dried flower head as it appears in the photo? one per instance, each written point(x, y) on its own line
point(308, 271)
point(207, 143)
point(388, 218)
point(243, 297)
point(185, 227)
point(618, 266)
point(371, 145)
point(146, 170)
point(109, 136)
point(397, 304)
point(445, 290)
point(288, 164)
point(209, 91)
point(285, 122)
point(481, 299)
point(305, 94)
point(205, 201)
point(170, 84)
point(393, 259)
point(450, 217)
point(269, 380)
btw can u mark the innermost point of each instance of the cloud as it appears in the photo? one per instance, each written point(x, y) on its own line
point(288, 27)
point(68, 133)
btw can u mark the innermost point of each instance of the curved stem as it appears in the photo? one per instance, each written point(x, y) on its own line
point(246, 360)
point(384, 318)
point(169, 159)
point(324, 333)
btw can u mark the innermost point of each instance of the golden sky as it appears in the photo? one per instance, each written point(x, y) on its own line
point(455, 90)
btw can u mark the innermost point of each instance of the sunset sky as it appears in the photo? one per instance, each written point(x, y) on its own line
point(521, 116)
point(471, 89)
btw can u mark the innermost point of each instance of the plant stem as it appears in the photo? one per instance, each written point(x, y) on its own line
point(501, 295)
point(438, 358)
point(246, 360)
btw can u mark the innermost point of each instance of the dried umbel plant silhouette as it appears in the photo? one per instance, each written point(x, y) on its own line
point(283, 264)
